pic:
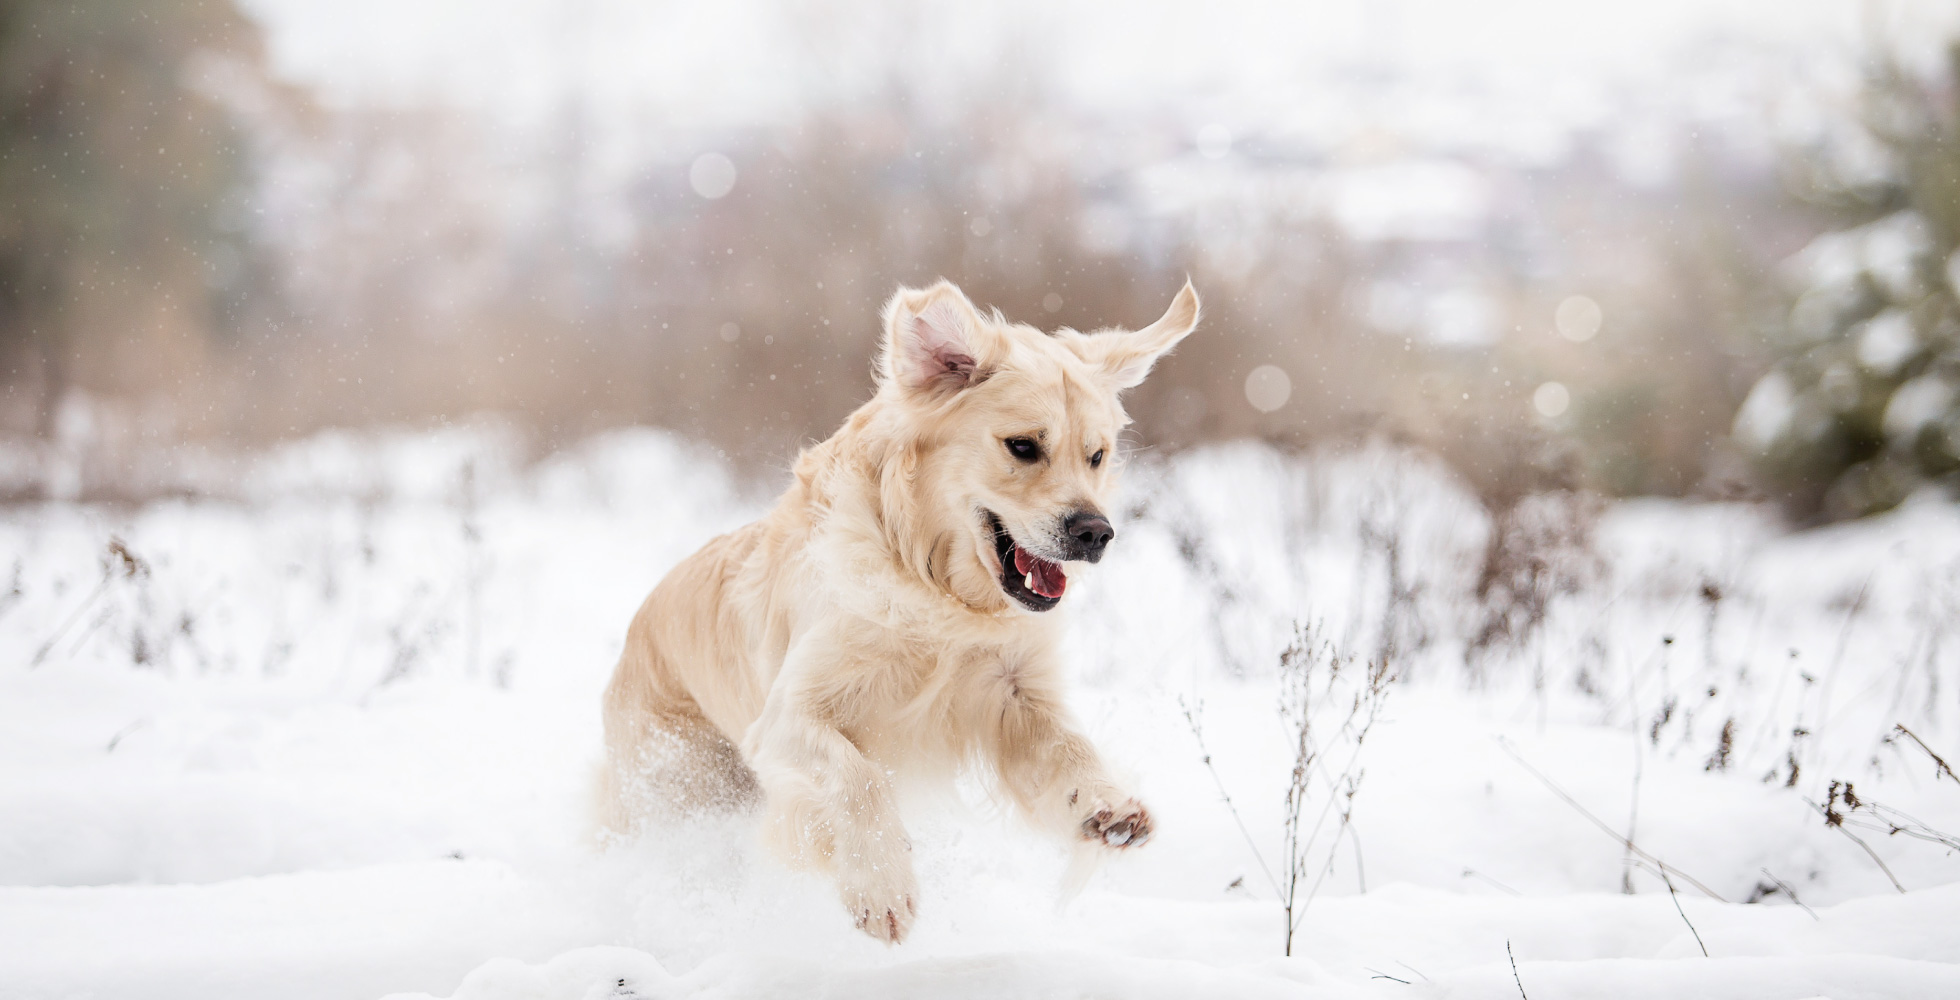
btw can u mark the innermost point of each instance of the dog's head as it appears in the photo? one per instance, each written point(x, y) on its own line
point(1015, 435)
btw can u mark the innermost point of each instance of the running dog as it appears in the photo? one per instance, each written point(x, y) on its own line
point(893, 613)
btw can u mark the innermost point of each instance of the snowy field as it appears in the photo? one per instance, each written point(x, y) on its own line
point(332, 735)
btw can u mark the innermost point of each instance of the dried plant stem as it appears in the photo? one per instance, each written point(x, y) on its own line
point(1792, 893)
point(1197, 732)
point(1639, 764)
point(1473, 873)
point(1939, 763)
point(1514, 971)
point(1837, 656)
point(87, 603)
point(1609, 831)
point(1676, 897)
point(1860, 841)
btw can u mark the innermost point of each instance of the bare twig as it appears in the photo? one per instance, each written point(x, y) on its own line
point(1306, 661)
point(1851, 613)
point(1676, 897)
point(1839, 826)
point(1197, 732)
point(1473, 873)
point(87, 602)
point(1596, 821)
point(117, 739)
point(1892, 822)
point(1514, 971)
point(119, 560)
point(1784, 887)
point(1639, 757)
point(1939, 764)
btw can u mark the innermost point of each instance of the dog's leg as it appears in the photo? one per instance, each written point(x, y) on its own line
point(673, 765)
point(828, 805)
point(1053, 773)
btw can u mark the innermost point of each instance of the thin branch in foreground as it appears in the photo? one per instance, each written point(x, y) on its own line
point(1198, 733)
point(1473, 873)
point(1792, 893)
point(1939, 763)
point(1514, 971)
point(1893, 822)
point(1860, 841)
point(1609, 831)
point(1676, 897)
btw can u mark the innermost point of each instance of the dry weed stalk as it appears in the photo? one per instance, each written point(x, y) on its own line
point(1939, 763)
point(118, 563)
point(1842, 792)
point(1328, 703)
point(1844, 809)
point(1778, 885)
point(1540, 548)
point(1514, 971)
point(1631, 847)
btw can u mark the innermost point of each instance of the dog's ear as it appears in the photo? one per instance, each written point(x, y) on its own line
point(1126, 357)
point(935, 342)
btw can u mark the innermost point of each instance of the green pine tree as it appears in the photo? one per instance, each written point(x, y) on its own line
point(1864, 406)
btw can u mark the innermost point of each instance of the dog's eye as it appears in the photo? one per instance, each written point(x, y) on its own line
point(1024, 449)
point(1095, 460)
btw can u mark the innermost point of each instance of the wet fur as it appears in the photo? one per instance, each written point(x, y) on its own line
point(860, 629)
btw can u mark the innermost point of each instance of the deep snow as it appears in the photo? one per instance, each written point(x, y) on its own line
point(333, 736)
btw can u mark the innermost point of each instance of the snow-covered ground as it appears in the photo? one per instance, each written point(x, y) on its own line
point(333, 737)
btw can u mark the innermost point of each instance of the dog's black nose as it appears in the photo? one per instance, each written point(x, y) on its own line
point(1088, 533)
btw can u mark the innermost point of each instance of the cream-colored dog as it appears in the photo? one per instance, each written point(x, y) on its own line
point(891, 613)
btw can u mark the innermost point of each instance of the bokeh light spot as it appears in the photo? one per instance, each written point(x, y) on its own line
point(712, 175)
point(1268, 388)
point(1578, 319)
point(1551, 399)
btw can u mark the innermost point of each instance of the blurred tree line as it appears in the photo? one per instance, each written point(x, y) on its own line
point(1864, 405)
point(201, 253)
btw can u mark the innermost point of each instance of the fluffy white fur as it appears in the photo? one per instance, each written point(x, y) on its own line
point(867, 626)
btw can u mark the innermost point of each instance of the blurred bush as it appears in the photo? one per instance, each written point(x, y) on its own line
point(1864, 404)
point(277, 266)
point(124, 209)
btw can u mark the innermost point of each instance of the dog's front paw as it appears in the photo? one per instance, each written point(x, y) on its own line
point(884, 909)
point(1118, 826)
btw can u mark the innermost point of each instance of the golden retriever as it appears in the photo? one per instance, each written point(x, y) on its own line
point(893, 612)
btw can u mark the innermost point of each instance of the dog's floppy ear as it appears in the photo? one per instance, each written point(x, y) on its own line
point(1126, 357)
point(935, 342)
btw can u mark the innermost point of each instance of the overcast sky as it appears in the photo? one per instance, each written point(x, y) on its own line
point(1519, 74)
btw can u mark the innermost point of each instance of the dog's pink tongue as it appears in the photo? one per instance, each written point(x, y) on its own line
point(1044, 578)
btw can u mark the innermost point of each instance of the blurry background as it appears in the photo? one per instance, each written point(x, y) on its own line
point(363, 363)
point(1680, 248)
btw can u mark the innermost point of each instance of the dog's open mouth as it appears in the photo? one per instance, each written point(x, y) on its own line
point(1030, 579)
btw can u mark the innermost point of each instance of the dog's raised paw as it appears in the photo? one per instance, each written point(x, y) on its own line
point(1127, 825)
point(889, 923)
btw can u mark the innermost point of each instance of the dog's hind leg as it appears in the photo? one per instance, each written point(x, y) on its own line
point(665, 760)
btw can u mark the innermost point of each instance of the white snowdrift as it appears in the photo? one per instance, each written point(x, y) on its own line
point(336, 743)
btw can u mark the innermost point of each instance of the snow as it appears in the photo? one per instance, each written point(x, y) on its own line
point(333, 736)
